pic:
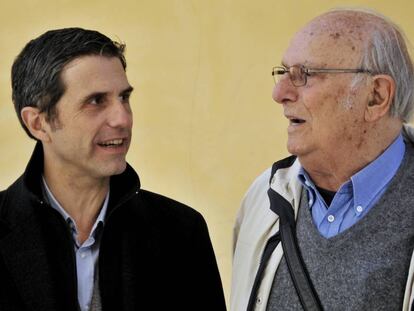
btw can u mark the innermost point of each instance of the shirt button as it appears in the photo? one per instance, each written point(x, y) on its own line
point(310, 202)
point(258, 300)
point(359, 209)
point(307, 183)
point(83, 255)
point(331, 218)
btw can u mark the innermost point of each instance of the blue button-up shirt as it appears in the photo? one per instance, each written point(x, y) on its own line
point(355, 197)
point(86, 253)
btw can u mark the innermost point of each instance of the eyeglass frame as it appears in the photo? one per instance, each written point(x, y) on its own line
point(281, 70)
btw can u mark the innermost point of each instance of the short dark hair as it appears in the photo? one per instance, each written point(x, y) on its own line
point(36, 72)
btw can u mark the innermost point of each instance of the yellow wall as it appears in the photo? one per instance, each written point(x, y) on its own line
point(205, 123)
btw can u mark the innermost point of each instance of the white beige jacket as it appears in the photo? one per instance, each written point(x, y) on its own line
point(256, 223)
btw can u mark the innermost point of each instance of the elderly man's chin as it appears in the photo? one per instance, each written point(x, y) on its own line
point(293, 148)
point(298, 147)
point(311, 152)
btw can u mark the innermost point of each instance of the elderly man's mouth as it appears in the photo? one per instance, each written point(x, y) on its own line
point(296, 121)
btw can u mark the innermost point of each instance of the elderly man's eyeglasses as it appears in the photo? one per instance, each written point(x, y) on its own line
point(298, 74)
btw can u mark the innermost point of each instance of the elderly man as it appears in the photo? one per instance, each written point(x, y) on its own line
point(76, 230)
point(332, 227)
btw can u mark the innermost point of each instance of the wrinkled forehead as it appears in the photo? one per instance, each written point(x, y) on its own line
point(331, 40)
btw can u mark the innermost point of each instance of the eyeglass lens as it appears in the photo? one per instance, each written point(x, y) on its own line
point(296, 74)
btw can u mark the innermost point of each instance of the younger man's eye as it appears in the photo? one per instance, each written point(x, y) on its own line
point(125, 97)
point(96, 100)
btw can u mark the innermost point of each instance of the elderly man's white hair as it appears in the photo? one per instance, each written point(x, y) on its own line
point(384, 51)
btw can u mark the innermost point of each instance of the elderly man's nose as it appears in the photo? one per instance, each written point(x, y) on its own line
point(284, 91)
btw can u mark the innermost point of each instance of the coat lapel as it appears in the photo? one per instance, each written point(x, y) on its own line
point(38, 254)
point(26, 261)
point(35, 244)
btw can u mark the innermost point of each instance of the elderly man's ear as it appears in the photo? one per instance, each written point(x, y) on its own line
point(382, 96)
point(35, 122)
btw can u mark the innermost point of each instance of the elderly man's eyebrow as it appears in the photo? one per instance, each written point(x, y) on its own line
point(295, 64)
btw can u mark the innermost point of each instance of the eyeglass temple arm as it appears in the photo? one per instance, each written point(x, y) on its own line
point(335, 70)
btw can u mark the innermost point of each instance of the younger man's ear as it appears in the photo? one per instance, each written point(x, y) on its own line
point(382, 96)
point(35, 122)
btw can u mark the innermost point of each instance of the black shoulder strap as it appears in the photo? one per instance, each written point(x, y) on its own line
point(269, 248)
point(287, 235)
point(300, 277)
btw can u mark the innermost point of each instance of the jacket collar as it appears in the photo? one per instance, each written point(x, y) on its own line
point(408, 133)
point(286, 183)
point(26, 247)
point(122, 186)
point(32, 176)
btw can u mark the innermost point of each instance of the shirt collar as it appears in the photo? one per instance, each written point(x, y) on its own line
point(308, 184)
point(369, 181)
point(56, 205)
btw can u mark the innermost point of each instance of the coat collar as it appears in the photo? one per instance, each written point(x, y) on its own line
point(286, 183)
point(122, 186)
point(34, 243)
